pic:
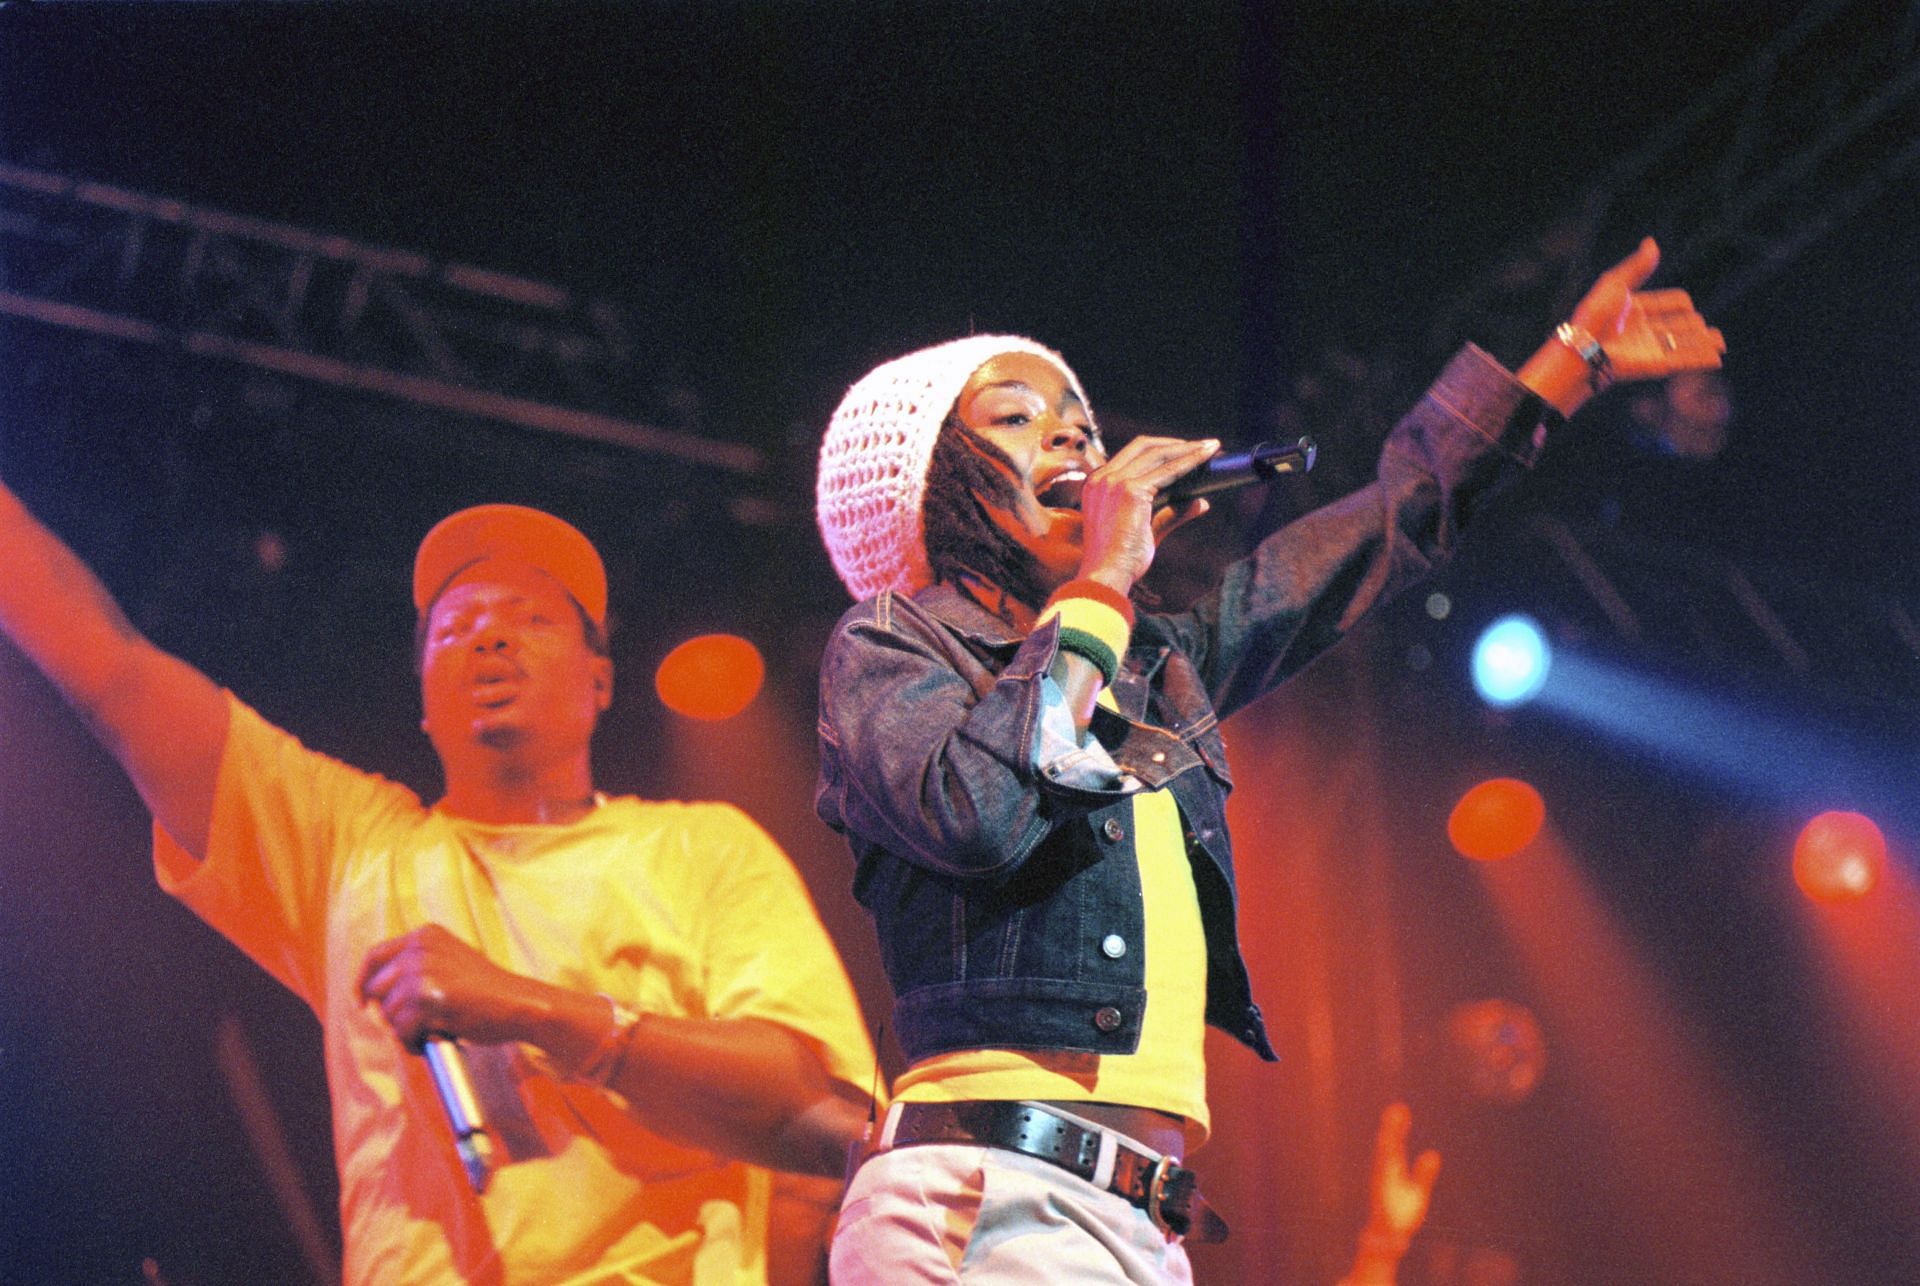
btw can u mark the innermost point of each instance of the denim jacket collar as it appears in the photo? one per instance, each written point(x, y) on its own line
point(956, 609)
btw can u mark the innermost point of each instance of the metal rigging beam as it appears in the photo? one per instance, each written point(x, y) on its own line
point(1821, 123)
point(105, 260)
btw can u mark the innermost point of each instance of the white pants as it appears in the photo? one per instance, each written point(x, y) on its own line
point(958, 1212)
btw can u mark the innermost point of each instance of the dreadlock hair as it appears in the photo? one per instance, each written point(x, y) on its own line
point(963, 542)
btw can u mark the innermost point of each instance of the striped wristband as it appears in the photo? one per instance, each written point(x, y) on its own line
point(1099, 593)
point(1091, 627)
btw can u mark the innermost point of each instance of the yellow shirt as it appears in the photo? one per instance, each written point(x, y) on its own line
point(1168, 1072)
point(688, 910)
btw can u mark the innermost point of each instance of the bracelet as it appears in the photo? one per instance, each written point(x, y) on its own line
point(1581, 341)
point(1091, 647)
point(1086, 587)
point(600, 1065)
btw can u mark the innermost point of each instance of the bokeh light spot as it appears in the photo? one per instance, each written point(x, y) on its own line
point(712, 677)
point(1496, 1049)
point(1496, 819)
point(1510, 661)
point(1838, 857)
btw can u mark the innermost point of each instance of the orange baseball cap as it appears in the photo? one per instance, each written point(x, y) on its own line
point(516, 534)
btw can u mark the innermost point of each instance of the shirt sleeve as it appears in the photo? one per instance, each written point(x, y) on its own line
point(1061, 758)
point(284, 818)
point(767, 954)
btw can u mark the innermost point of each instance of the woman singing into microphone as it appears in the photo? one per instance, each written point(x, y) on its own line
point(1032, 779)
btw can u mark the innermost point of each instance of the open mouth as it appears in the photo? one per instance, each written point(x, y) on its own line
point(494, 683)
point(494, 693)
point(1062, 490)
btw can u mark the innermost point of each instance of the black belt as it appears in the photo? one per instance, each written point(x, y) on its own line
point(1169, 1193)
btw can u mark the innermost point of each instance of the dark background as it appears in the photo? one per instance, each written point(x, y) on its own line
point(1207, 207)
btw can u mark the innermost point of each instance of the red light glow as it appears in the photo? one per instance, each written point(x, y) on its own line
point(1839, 857)
point(1496, 819)
point(712, 677)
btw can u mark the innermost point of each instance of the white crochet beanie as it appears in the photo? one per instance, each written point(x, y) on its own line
point(873, 461)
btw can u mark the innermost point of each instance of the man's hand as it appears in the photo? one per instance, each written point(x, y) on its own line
point(744, 1087)
point(430, 983)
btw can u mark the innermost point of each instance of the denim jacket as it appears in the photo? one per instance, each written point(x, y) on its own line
point(1008, 905)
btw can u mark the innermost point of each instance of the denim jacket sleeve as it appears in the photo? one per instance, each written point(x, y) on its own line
point(1310, 582)
point(926, 751)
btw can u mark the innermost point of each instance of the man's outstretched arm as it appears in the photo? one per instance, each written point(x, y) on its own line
point(162, 719)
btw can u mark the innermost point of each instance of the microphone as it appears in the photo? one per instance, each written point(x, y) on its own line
point(1225, 472)
point(454, 1087)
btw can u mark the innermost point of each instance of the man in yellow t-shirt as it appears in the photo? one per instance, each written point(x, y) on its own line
point(648, 1014)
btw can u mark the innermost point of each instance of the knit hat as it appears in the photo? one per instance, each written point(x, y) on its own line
point(509, 533)
point(873, 461)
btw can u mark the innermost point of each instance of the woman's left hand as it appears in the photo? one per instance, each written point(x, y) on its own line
point(1646, 334)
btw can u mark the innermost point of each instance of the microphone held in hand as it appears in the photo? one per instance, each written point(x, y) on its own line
point(1224, 472)
point(455, 1090)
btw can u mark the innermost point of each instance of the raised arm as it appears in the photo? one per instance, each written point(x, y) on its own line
point(162, 719)
point(1310, 582)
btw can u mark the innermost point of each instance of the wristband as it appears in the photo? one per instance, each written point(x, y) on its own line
point(1086, 587)
point(1091, 647)
point(1581, 341)
point(1092, 629)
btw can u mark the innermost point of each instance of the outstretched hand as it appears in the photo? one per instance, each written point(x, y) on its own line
point(1647, 334)
point(1400, 1193)
point(1397, 1199)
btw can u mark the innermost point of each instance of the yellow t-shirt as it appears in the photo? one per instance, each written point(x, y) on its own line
point(683, 909)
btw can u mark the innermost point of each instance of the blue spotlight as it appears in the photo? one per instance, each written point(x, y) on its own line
point(1511, 660)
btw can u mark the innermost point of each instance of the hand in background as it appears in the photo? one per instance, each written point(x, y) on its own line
point(1398, 1196)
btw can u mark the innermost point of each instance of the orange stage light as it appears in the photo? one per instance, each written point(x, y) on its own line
point(1496, 819)
point(1839, 857)
point(712, 677)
